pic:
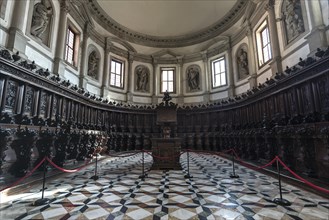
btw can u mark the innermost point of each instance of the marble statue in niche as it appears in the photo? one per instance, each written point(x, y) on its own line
point(293, 19)
point(242, 61)
point(193, 77)
point(142, 76)
point(93, 61)
point(42, 14)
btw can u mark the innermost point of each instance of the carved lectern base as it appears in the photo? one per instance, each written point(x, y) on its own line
point(166, 153)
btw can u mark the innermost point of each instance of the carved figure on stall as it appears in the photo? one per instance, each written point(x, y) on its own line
point(166, 97)
point(41, 16)
point(93, 65)
point(242, 59)
point(193, 76)
point(142, 78)
point(293, 19)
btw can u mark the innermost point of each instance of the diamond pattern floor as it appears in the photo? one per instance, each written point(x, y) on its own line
point(119, 193)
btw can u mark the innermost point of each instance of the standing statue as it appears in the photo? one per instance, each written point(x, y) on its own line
point(142, 78)
point(93, 65)
point(40, 19)
point(242, 59)
point(193, 75)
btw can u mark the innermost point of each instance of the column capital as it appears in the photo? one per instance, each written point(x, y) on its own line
point(270, 5)
point(131, 56)
point(108, 45)
point(204, 55)
point(154, 60)
point(180, 60)
point(64, 5)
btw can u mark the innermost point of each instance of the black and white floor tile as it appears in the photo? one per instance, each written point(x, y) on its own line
point(120, 193)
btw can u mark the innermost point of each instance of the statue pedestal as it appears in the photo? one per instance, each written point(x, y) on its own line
point(166, 153)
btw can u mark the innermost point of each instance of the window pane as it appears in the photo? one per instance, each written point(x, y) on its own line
point(112, 67)
point(217, 80)
point(117, 81)
point(170, 75)
point(223, 79)
point(164, 75)
point(118, 68)
point(112, 79)
point(170, 87)
point(216, 67)
point(222, 66)
point(164, 86)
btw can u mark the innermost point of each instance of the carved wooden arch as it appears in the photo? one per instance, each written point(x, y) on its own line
point(241, 74)
point(93, 49)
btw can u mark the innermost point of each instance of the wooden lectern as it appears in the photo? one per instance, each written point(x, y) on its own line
point(166, 149)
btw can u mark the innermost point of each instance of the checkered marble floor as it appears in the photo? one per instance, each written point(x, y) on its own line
point(120, 193)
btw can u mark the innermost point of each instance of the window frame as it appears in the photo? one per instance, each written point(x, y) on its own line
point(260, 44)
point(75, 49)
point(121, 75)
point(162, 69)
point(213, 74)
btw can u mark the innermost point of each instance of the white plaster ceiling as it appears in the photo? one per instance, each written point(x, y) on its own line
point(166, 18)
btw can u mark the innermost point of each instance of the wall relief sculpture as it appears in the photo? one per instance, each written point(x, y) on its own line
point(41, 19)
point(3, 4)
point(93, 61)
point(242, 63)
point(142, 78)
point(292, 18)
point(193, 78)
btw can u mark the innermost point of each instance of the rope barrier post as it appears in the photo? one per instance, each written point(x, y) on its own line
point(233, 175)
point(280, 201)
point(43, 200)
point(95, 177)
point(188, 176)
point(143, 172)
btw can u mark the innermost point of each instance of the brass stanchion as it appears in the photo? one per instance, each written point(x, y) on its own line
point(143, 172)
point(188, 176)
point(280, 201)
point(43, 200)
point(95, 177)
point(233, 175)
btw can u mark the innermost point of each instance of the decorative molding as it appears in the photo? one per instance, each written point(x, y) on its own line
point(167, 42)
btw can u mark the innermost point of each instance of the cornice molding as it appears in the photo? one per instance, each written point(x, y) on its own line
point(166, 42)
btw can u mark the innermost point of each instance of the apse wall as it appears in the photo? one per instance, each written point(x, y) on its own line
point(48, 50)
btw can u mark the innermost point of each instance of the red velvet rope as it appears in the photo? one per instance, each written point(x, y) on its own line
point(65, 170)
point(302, 179)
point(235, 154)
point(26, 176)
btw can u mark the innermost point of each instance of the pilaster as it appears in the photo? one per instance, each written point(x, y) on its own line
point(17, 40)
point(251, 58)
point(59, 65)
point(276, 65)
point(106, 70)
point(231, 87)
point(130, 76)
point(84, 60)
point(317, 37)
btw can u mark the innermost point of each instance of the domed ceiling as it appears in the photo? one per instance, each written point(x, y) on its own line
point(167, 23)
